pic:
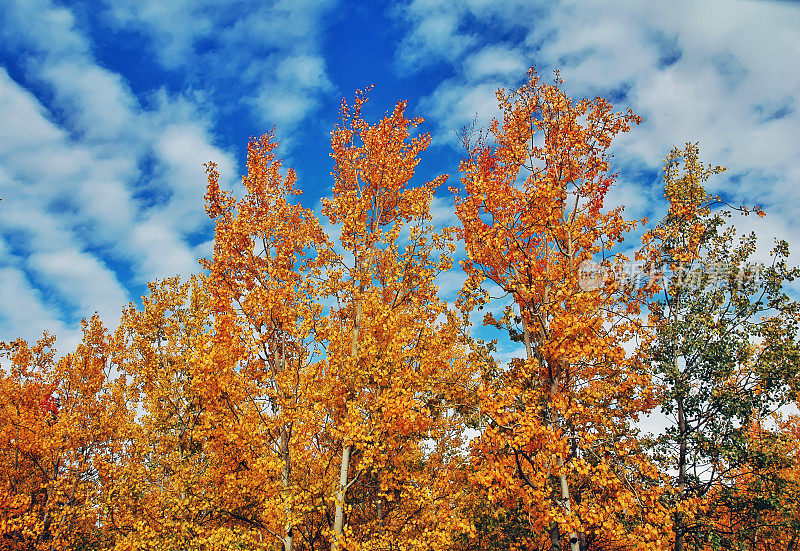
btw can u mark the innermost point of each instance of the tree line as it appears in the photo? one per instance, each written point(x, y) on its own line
point(311, 390)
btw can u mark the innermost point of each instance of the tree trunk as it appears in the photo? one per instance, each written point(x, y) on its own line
point(286, 471)
point(555, 537)
point(563, 483)
point(574, 543)
point(566, 504)
point(681, 474)
point(48, 519)
point(338, 522)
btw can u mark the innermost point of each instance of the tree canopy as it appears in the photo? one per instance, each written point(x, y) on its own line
point(311, 389)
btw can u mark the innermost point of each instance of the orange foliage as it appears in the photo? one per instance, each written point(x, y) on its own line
point(394, 353)
point(58, 420)
point(559, 441)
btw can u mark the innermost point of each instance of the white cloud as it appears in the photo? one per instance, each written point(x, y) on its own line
point(84, 279)
point(304, 71)
point(445, 31)
point(281, 107)
point(174, 27)
point(455, 104)
point(23, 117)
point(22, 305)
point(442, 212)
point(23, 313)
point(182, 150)
point(434, 37)
point(637, 199)
point(167, 254)
point(270, 52)
point(42, 28)
point(100, 105)
point(496, 60)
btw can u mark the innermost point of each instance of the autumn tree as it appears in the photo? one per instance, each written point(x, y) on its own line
point(726, 350)
point(361, 384)
point(312, 391)
point(28, 406)
point(57, 424)
point(559, 445)
point(393, 354)
point(757, 507)
point(264, 274)
point(158, 491)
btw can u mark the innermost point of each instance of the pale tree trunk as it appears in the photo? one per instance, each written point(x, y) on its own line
point(574, 543)
point(681, 474)
point(555, 533)
point(338, 521)
point(565, 501)
point(286, 471)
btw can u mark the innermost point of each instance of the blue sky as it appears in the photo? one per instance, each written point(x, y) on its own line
point(108, 109)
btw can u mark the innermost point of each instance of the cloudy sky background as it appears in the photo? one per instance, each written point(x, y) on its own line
point(109, 109)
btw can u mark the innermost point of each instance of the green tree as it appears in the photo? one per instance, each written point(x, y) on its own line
point(726, 348)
